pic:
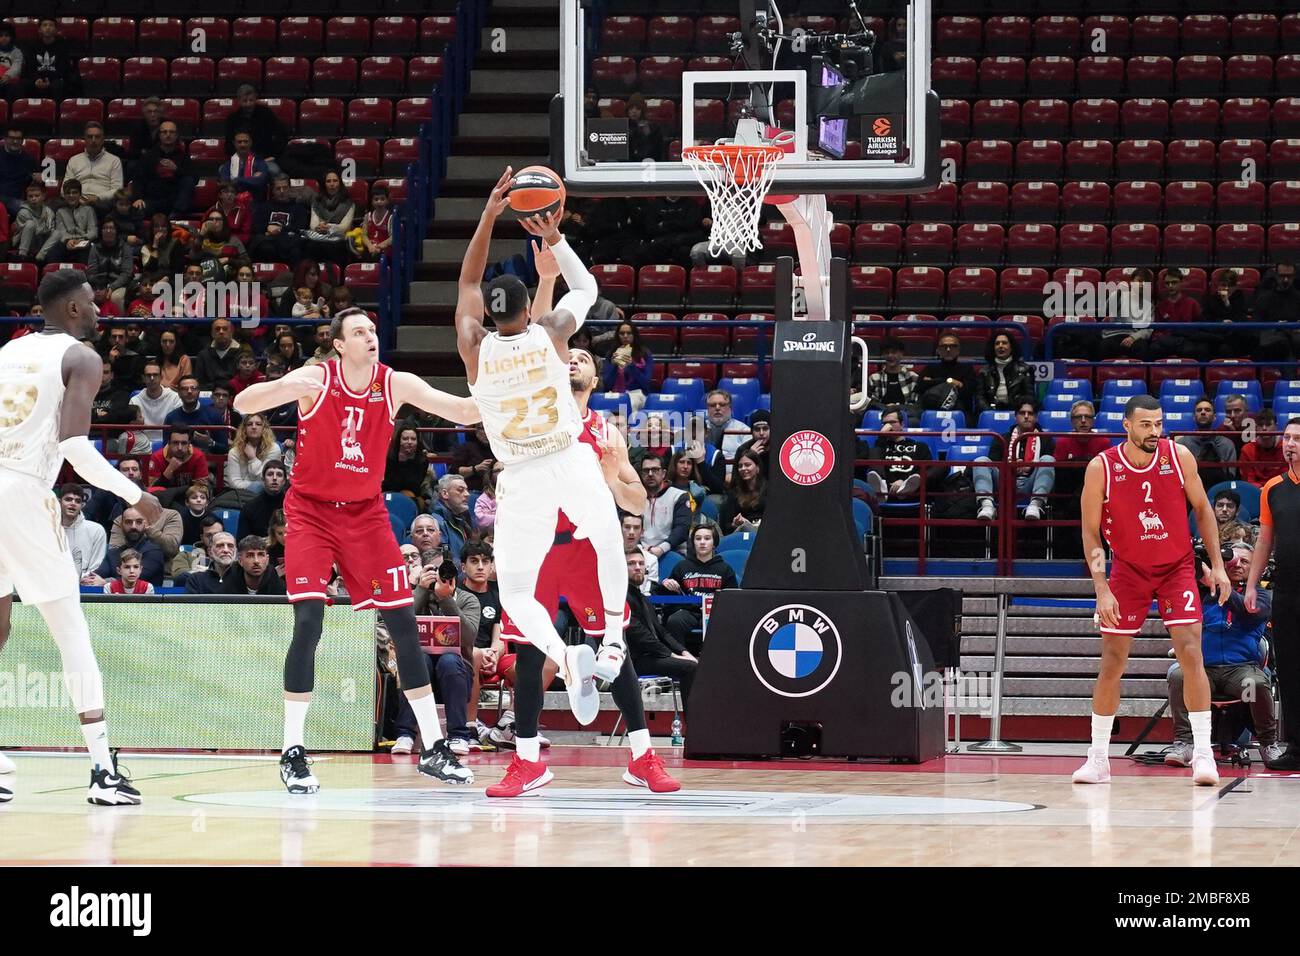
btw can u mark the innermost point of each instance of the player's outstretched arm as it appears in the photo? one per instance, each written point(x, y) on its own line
point(1090, 506)
point(82, 371)
point(410, 389)
point(302, 383)
point(1258, 562)
point(1206, 525)
point(624, 482)
point(548, 270)
point(469, 290)
point(571, 311)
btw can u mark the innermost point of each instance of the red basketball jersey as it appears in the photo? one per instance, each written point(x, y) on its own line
point(343, 440)
point(1144, 517)
point(595, 429)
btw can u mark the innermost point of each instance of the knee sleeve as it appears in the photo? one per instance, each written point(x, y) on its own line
point(529, 693)
point(412, 670)
point(300, 662)
point(67, 624)
point(627, 694)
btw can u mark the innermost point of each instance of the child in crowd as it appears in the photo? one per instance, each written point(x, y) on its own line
point(305, 308)
point(128, 575)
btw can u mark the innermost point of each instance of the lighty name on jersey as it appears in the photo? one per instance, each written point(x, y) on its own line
point(536, 358)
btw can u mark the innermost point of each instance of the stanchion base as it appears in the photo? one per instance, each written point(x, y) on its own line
point(994, 747)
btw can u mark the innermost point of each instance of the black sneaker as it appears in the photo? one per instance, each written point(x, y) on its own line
point(295, 771)
point(441, 764)
point(1289, 759)
point(112, 788)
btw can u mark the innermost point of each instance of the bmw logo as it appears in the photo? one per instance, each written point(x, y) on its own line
point(795, 650)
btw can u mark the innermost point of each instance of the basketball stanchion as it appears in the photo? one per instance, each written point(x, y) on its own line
point(995, 744)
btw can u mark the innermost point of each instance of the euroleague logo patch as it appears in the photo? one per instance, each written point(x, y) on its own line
point(795, 650)
point(807, 458)
point(882, 126)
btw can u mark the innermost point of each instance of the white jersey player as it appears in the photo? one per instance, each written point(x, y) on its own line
point(519, 377)
point(48, 381)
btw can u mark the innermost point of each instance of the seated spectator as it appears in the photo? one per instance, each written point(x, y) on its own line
point(1005, 382)
point(278, 225)
point(154, 401)
point(275, 537)
point(1025, 444)
point(129, 220)
point(652, 436)
point(87, 541)
point(701, 572)
point(131, 532)
point(1236, 417)
point(268, 133)
point(255, 518)
point(899, 480)
point(218, 363)
point(98, 170)
point(254, 574)
point(163, 251)
point(191, 413)
point(12, 85)
point(165, 180)
point(331, 221)
point(1227, 505)
point(485, 506)
point(340, 298)
point(407, 470)
point(456, 522)
point(667, 515)
point(245, 170)
point(895, 383)
point(238, 209)
point(722, 430)
point(128, 575)
point(1278, 303)
point(208, 573)
point(226, 416)
point(1234, 659)
point(246, 372)
point(474, 460)
point(105, 507)
point(684, 472)
point(629, 367)
point(177, 466)
point(1210, 447)
point(760, 430)
point(75, 228)
point(214, 247)
point(1227, 304)
point(1261, 459)
point(490, 652)
point(1083, 444)
point(145, 134)
point(633, 525)
point(654, 649)
point(1174, 306)
point(32, 231)
point(53, 64)
point(948, 384)
point(18, 170)
point(645, 139)
point(288, 351)
point(174, 363)
point(252, 447)
point(306, 275)
point(377, 229)
point(128, 364)
point(743, 509)
point(195, 511)
point(1234, 532)
point(132, 441)
point(307, 307)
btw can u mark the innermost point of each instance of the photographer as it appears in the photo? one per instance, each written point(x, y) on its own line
point(1230, 646)
point(433, 578)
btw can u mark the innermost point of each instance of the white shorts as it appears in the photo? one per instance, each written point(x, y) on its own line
point(34, 553)
point(530, 497)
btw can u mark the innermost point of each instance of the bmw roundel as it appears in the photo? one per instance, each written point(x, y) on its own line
point(795, 650)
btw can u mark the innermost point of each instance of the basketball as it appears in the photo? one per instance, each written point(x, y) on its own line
point(535, 190)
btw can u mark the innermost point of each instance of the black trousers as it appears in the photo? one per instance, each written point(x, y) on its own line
point(675, 667)
point(1286, 659)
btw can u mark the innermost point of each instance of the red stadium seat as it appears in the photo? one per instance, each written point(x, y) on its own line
point(1240, 157)
point(113, 36)
point(972, 287)
point(938, 204)
point(1150, 75)
point(1085, 201)
point(161, 36)
point(1010, 36)
point(1140, 159)
point(301, 36)
point(1031, 244)
point(101, 73)
point(410, 114)
point(398, 154)
point(1002, 76)
point(1139, 200)
point(214, 31)
point(954, 75)
point(1188, 243)
point(918, 287)
point(984, 201)
point(423, 73)
point(841, 237)
point(1115, 29)
point(1254, 33)
point(1100, 76)
point(1022, 288)
point(1190, 159)
point(362, 278)
point(979, 243)
point(1089, 159)
point(394, 36)
point(1199, 75)
point(20, 278)
point(748, 340)
point(347, 36)
point(870, 287)
point(1095, 119)
point(1249, 74)
point(33, 116)
point(1135, 243)
point(1286, 116)
point(1205, 33)
point(661, 75)
point(74, 114)
point(758, 284)
point(208, 154)
point(617, 282)
point(1156, 33)
point(1240, 243)
point(1051, 75)
point(1057, 35)
point(436, 33)
point(144, 76)
point(702, 340)
point(193, 76)
point(613, 74)
point(205, 193)
point(1284, 200)
point(706, 372)
point(1286, 74)
point(1082, 243)
point(1039, 159)
point(334, 75)
point(958, 35)
point(1144, 117)
point(1044, 119)
point(997, 119)
point(879, 243)
point(671, 35)
point(74, 30)
point(1035, 201)
point(1239, 201)
point(928, 242)
point(253, 36)
point(363, 153)
point(1189, 201)
point(712, 285)
point(234, 71)
point(184, 112)
point(1246, 117)
point(659, 338)
point(1283, 158)
point(285, 111)
point(367, 116)
point(622, 35)
point(987, 158)
point(1284, 241)
point(61, 150)
point(661, 285)
point(711, 34)
point(321, 117)
point(382, 75)
point(286, 75)
point(1193, 118)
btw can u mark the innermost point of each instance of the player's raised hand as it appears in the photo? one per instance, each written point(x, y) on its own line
point(544, 225)
point(149, 509)
point(544, 261)
point(497, 201)
point(1220, 586)
point(1108, 609)
point(1252, 599)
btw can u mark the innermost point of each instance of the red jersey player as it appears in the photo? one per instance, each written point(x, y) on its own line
point(1137, 494)
point(335, 515)
point(570, 570)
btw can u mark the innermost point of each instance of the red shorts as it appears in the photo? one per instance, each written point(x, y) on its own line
point(1173, 589)
point(357, 537)
point(569, 571)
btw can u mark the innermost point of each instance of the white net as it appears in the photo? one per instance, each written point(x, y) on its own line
point(736, 179)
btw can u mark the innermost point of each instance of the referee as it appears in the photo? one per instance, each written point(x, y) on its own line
point(1279, 528)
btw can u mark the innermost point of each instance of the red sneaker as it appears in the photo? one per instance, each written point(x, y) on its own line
point(649, 772)
point(521, 777)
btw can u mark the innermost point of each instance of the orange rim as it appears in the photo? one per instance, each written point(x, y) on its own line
point(739, 160)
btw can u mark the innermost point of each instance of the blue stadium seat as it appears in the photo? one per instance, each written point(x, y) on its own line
point(1059, 402)
point(744, 395)
point(439, 469)
point(1179, 422)
point(610, 401)
point(1113, 403)
point(737, 560)
point(993, 420)
point(862, 516)
point(1124, 387)
point(1055, 421)
point(667, 562)
point(968, 452)
point(708, 509)
point(765, 401)
point(402, 507)
point(1076, 388)
point(229, 518)
point(1110, 422)
point(871, 420)
point(1249, 498)
point(1179, 402)
point(1285, 407)
point(1286, 388)
point(668, 402)
point(1248, 387)
point(399, 529)
point(692, 388)
point(1253, 402)
point(935, 421)
point(1181, 386)
point(738, 541)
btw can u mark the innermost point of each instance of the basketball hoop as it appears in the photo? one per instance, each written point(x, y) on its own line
point(736, 179)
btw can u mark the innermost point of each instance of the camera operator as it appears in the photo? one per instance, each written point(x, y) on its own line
point(433, 580)
point(1230, 646)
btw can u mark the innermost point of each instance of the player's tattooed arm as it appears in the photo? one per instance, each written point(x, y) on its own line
point(1206, 524)
point(469, 290)
point(300, 385)
point(410, 389)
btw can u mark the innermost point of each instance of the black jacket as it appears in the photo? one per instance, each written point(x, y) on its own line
point(1020, 387)
point(703, 578)
point(156, 185)
point(1215, 310)
point(939, 372)
point(255, 518)
point(234, 583)
point(294, 217)
point(900, 452)
point(209, 581)
point(265, 127)
point(1274, 306)
point(54, 62)
point(211, 369)
point(647, 638)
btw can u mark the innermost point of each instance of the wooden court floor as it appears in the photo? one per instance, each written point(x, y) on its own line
point(377, 810)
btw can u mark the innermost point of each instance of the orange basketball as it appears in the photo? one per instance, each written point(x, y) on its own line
point(535, 189)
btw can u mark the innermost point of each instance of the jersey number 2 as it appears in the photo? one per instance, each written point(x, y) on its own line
point(1146, 486)
point(539, 404)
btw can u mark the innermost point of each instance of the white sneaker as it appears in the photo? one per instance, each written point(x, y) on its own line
point(609, 661)
point(877, 485)
point(1204, 771)
point(459, 746)
point(579, 680)
point(910, 486)
point(1034, 510)
point(1095, 770)
point(6, 794)
point(6, 765)
point(480, 730)
point(403, 745)
point(987, 512)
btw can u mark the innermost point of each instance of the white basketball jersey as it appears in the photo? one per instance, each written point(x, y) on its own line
point(524, 395)
point(31, 399)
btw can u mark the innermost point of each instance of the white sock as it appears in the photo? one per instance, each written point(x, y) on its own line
point(529, 748)
point(1101, 727)
point(96, 735)
point(1200, 720)
point(614, 628)
point(295, 718)
point(639, 741)
point(426, 715)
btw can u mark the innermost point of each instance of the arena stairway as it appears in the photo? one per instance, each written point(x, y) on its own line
point(503, 122)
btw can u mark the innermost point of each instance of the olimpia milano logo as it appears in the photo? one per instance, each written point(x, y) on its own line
point(795, 650)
